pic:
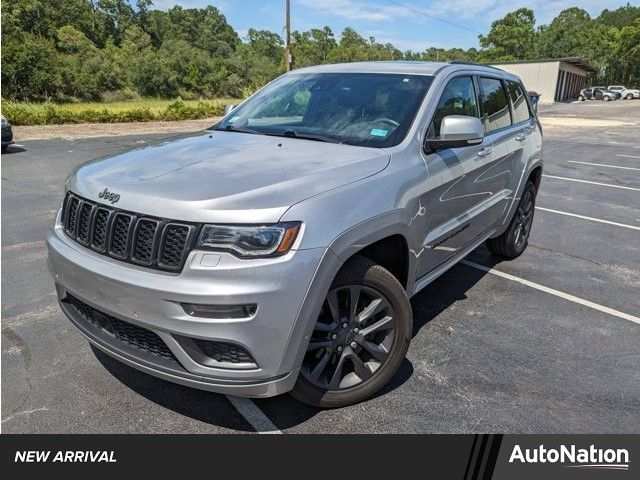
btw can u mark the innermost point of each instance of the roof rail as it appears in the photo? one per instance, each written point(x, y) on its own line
point(462, 62)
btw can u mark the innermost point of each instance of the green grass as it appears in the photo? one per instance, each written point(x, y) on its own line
point(141, 110)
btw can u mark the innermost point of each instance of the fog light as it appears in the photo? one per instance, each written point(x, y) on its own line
point(220, 311)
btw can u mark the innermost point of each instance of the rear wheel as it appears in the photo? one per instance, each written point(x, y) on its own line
point(515, 239)
point(360, 337)
point(581, 98)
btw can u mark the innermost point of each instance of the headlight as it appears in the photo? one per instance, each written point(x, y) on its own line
point(5, 122)
point(250, 241)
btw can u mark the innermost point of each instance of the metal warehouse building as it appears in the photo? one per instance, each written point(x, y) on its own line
point(555, 79)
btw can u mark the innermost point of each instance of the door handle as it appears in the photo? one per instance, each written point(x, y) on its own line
point(521, 137)
point(485, 151)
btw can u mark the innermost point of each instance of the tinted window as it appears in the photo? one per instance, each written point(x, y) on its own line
point(495, 107)
point(519, 100)
point(458, 98)
point(365, 109)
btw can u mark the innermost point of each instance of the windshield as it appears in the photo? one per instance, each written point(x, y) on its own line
point(364, 109)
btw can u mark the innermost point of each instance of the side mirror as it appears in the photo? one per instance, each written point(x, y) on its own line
point(457, 131)
point(228, 108)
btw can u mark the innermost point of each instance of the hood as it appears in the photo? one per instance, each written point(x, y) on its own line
point(224, 177)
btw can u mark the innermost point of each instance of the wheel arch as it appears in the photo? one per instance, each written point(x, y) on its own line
point(536, 176)
point(384, 240)
point(370, 238)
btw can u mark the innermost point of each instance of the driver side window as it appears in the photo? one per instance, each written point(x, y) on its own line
point(458, 98)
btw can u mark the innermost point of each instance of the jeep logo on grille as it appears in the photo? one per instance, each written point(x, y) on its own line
point(109, 196)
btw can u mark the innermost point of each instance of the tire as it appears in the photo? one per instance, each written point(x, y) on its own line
point(511, 243)
point(4, 148)
point(581, 98)
point(629, 96)
point(331, 388)
point(606, 98)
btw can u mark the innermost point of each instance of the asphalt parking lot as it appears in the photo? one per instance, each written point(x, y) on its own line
point(549, 342)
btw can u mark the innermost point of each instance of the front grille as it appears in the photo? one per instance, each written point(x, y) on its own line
point(133, 335)
point(224, 352)
point(174, 237)
point(131, 237)
point(84, 223)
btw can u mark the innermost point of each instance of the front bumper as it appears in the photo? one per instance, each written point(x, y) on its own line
point(284, 289)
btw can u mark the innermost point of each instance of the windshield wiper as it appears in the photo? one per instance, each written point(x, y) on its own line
point(231, 128)
point(308, 136)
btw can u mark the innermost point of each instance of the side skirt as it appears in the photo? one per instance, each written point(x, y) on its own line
point(425, 280)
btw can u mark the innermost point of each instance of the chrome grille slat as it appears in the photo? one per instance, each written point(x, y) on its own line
point(126, 236)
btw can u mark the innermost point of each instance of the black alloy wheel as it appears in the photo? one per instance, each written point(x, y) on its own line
point(524, 219)
point(359, 339)
point(515, 239)
point(352, 338)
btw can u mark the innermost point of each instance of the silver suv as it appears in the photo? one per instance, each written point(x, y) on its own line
point(278, 250)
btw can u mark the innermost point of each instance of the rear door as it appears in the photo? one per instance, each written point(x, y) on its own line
point(526, 139)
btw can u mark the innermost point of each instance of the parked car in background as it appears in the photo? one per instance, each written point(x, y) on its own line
point(7, 134)
point(626, 93)
point(597, 93)
point(616, 95)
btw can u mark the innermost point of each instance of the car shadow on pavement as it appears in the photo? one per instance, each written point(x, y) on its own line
point(14, 149)
point(284, 411)
point(199, 405)
point(450, 288)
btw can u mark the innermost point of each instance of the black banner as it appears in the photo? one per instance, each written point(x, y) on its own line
point(465, 457)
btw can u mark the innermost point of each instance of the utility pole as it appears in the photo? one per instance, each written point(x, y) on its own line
point(287, 46)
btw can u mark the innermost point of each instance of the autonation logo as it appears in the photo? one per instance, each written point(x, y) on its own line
point(573, 457)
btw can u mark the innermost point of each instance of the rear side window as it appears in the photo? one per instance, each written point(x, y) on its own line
point(495, 106)
point(519, 100)
point(458, 98)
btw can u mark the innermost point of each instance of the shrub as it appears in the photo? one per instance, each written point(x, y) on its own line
point(24, 113)
point(124, 95)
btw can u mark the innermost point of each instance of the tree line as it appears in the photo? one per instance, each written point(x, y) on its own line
point(69, 50)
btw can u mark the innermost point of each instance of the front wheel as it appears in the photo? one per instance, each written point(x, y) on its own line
point(581, 98)
point(516, 238)
point(606, 99)
point(629, 96)
point(359, 340)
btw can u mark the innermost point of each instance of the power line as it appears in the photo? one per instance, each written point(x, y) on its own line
point(421, 12)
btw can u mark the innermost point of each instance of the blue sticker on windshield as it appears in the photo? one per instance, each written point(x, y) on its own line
point(233, 119)
point(379, 132)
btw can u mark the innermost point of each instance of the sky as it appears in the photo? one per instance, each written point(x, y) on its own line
point(408, 24)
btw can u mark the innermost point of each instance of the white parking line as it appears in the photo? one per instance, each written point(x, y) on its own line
point(627, 156)
point(253, 415)
point(592, 183)
point(557, 293)
point(624, 225)
point(605, 165)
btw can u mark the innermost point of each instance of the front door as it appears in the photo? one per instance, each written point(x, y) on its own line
point(440, 221)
